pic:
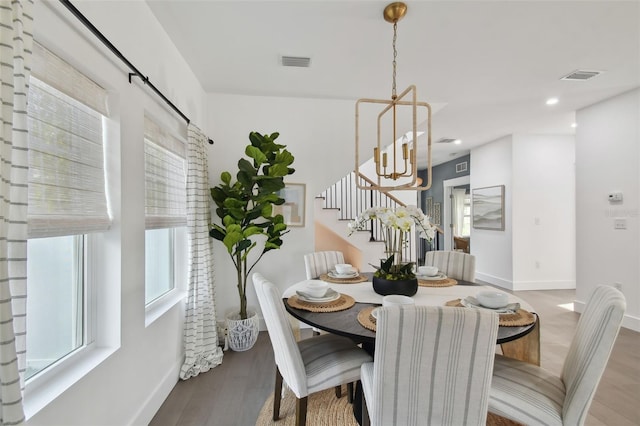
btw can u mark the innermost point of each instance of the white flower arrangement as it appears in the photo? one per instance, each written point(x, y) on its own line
point(396, 224)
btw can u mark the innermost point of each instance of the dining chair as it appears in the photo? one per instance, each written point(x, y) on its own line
point(309, 365)
point(321, 262)
point(432, 366)
point(455, 264)
point(532, 395)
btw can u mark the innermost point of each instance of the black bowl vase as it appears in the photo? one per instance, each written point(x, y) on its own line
point(404, 287)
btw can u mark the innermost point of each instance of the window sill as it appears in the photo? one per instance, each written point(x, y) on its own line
point(157, 308)
point(50, 384)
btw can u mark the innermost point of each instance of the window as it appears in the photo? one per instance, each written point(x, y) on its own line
point(56, 300)
point(165, 207)
point(67, 201)
point(466, 216)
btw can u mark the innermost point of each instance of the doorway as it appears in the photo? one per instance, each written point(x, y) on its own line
point(453, 213)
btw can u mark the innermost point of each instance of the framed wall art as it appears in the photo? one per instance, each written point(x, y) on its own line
point(293, 208)
point(436, 214)
point(487, 206)
point(429, 207)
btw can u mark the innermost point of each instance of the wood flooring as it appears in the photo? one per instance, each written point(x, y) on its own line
point(233, 393)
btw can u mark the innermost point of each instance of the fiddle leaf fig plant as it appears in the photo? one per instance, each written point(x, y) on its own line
point(245, 206)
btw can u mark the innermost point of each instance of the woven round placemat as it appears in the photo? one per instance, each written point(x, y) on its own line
point(366, 319)
point(354, 280)
point(518, 319)
point(447, 282)
point(343, 302)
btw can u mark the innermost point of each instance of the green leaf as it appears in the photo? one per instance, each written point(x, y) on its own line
point(231, 239)
point(245, 166)
point(225, 177)
point(284, 158)
point(252, 230)
point(278, 170)
point(256, 154)
point(217, 233)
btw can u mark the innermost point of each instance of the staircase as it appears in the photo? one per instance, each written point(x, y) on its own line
point(344, 201)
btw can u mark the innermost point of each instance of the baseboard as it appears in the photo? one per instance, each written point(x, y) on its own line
point(628, 321)
point(153, 403)
point(544, 285)
point(502, 283)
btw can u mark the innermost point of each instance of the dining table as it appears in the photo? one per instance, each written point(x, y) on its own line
point(520, 341)
point(516, 341)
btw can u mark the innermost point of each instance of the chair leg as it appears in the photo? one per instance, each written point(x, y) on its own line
point(301, 411)
point(338, 391)
point(366, 421)
point(350, 392)
point(277, 395)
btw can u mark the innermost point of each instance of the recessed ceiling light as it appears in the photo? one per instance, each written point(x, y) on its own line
point(457, 142)
point(574, 125)
point(552, 101)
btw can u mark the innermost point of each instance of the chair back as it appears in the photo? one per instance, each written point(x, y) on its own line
point(321, 262)
point(455, 264)
point(285, 349)
point(432, 365)
point(589, 351)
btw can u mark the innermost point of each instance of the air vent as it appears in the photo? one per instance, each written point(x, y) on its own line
point(296, 61)
point(461, 167)
point(445, 140)
point(581, 75)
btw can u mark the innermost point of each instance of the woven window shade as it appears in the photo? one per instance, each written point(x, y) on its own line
point(66, 165)
point(59, 74)
point(165, 181)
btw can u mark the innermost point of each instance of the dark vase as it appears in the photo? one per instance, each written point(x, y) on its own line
point(404, 287)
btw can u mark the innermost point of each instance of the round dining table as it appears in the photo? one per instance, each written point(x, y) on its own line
point(345, 322)
point(520, 342)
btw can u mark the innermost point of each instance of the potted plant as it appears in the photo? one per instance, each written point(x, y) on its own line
point(245, 207)
point(394, 276)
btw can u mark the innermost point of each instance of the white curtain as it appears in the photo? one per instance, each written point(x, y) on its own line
point(16, 43)
point(458, 211)
point(200, 333)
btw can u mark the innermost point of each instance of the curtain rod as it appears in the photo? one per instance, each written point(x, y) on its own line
point(120, 56)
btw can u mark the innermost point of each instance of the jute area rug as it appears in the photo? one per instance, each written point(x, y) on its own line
point(324, 409)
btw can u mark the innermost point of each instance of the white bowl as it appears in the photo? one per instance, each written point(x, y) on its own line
point(396, 299)
point(429, 271)
point(343, 268)
point(493, 299)
point(316, 288)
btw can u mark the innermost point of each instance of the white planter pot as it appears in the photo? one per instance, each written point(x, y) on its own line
point(242, 334)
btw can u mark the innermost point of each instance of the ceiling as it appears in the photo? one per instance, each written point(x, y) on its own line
point(487, 67)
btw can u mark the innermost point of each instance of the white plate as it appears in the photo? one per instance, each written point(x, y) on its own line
point(330, 296)
point(438, 276)
point(334, 274)
point(374, 313)
point(472, 302)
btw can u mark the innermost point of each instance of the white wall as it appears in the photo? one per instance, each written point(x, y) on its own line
point(608, 160)
point(491, 165)
point(306, 126)
point(543, 212)
point(129, 386)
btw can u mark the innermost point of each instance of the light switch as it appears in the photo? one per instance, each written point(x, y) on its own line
point(620, 224)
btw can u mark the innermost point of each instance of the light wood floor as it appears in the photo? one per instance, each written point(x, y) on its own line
point(233, 393)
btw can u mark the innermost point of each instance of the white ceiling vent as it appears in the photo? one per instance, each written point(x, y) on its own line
point(581, 75)
point(296, 61)
point(446, 140)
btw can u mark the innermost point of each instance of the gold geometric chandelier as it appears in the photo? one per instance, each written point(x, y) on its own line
point(395, 154)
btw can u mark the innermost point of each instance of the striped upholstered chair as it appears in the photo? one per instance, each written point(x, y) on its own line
point(321, 262)
point(531, 395)
point(432, 366)
point(309, 365)
point(455, 264)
